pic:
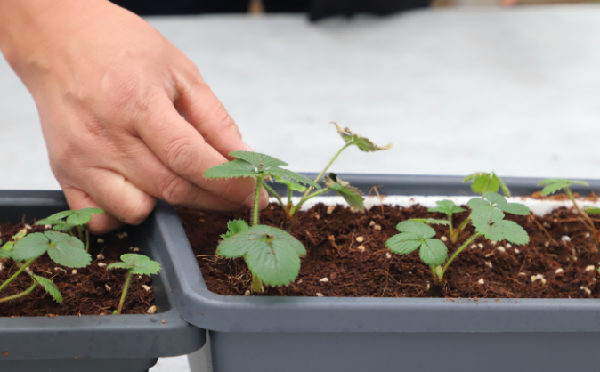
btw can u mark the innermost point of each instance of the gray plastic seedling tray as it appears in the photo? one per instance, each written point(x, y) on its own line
point(299, 334)
point(115, 343)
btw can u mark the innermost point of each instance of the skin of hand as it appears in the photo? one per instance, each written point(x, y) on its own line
point(126, 116)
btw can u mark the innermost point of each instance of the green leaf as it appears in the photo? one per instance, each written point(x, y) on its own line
point(20, 234)
point(50, 288)
point(31, 246)
point(258, 160)
point(272, 255)
point(501, 203)
point(433, 252)
point(79, 219)
point(403, 243)
point(235, 227)
point(504, 188)
point(352, 195)
point(5, 253)
point(510, 231)
point(432, 221)
point(276, 171)
point(8, 246)
point(292, 185)
point(55, 217)
point(478, 202)
point(136, 264)
point(516, 208)
point(67, 250)
point(592, 210)
point(555, 184)
point(483, 217)
point(361, 142)
point(446, 206)
point(486, 182)
point(233, 169)
point(420, 229)
point(62, 226)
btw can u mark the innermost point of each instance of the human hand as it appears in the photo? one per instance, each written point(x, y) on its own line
point(127, 118)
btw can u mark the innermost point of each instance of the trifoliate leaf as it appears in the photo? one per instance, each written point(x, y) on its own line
point(403, 243)
point(31, 246)
point(447, 207)
point(352, 195)
point(136, 264)
point(483, 217)
point(292, 185)
point(494, 198)
point(361, 142)
point(420, 229)
point(276, 171)
point(258, 160)
point(272, 255)
point(50, 288)
point(67, 250)
point(233, 169)
point(478, 202)
point(235, 227)
point(79, 219)
point(433, 252)
point(485, 182)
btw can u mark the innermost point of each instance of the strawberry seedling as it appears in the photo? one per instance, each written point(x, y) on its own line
point(134, 264)
point(554, 185)
point(272, 255)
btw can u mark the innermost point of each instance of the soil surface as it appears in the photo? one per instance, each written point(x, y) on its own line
point(93, 290)
point(346, 256)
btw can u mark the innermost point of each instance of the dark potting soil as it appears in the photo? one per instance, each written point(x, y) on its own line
point(346, 256)
point(93, 290)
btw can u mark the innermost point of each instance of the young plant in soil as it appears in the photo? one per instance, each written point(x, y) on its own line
point(25, 249)
point(554, 185)
point(486, 184)
point(352, 195)
point(272, 255)
point(488, 221)
point(75, 219)
point(134, 264)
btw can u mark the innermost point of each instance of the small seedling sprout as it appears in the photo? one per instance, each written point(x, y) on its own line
point(352, 195)
point(488, 221)
point(554, 185)
point(26, 248)
point(272, 255)
point(134, 264)
point(75, 218)
point(448, 208)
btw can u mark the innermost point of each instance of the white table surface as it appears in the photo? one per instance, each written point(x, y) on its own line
point(457, 91)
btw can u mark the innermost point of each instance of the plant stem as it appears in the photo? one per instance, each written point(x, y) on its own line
point(451, 229)
point(87, 240)
point(21, 269)
point(124, 295)
point(458, 252)
point(257, 285)
point(24, 293)
point(80, 232)
point(273, 193)
point(305, 198)
point(585, 215)
point(259, 183)
point(327, 167)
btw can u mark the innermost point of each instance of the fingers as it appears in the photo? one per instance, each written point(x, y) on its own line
point(184, 151)
point(201, 108)
point(121, 200)
point(143, 169)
